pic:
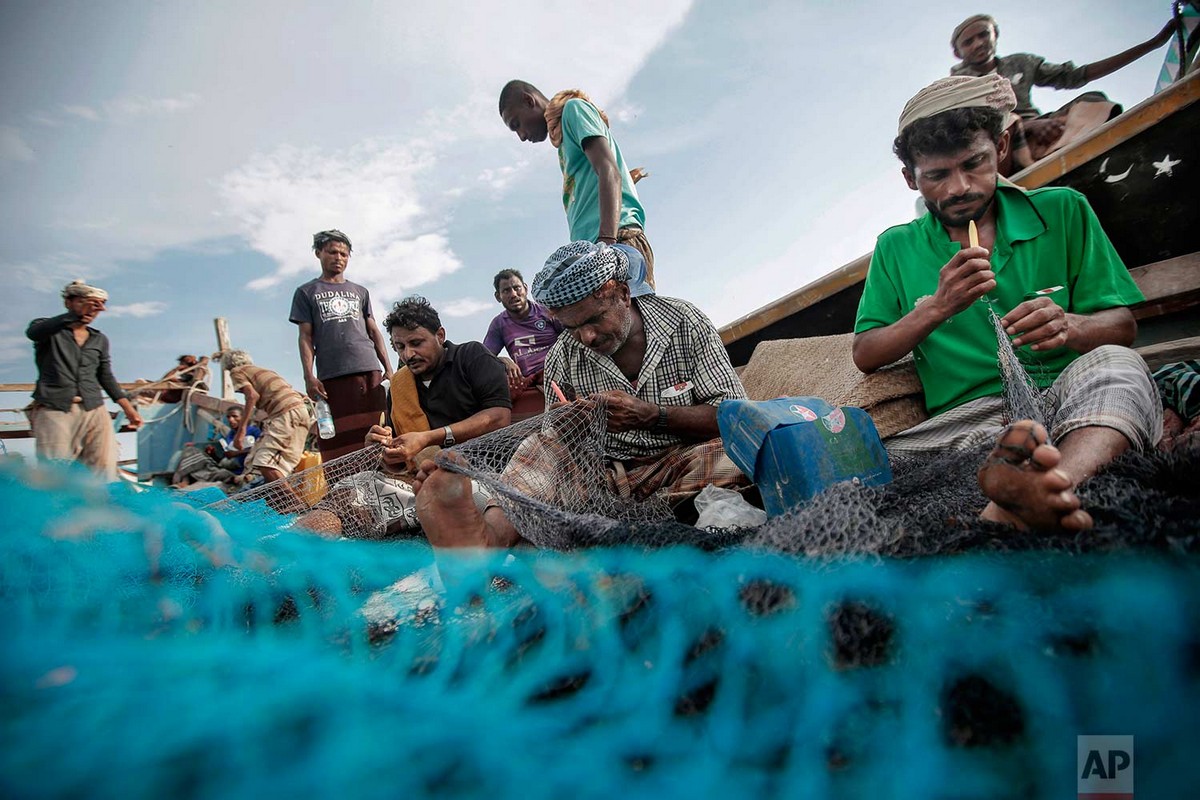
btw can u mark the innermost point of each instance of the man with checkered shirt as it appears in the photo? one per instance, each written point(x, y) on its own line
point(661, 370)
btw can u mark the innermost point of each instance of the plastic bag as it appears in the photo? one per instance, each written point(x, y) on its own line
point(725, 508)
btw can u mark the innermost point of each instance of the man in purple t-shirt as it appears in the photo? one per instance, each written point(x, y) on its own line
point(527, 332)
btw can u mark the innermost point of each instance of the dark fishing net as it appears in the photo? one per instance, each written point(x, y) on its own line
point(156, 650)
point(1023, 399)
point(347, 496)
point(550, 476)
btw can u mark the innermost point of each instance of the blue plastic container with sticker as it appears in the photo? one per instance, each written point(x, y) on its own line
point(795, 447)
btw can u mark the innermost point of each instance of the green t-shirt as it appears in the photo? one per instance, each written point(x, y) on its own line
point(1048, 242)
point(581, 187)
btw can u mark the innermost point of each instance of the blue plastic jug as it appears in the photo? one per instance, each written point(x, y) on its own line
point(795, 447)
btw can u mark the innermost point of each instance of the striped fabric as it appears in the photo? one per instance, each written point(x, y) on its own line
point(276, 395)
point(1180, 387)
point(1109, 387)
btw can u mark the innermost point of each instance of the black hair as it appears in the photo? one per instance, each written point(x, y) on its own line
point(513, 90)
point(322, 238)
point(502, 275)
point(412, 313)
point(947, 132)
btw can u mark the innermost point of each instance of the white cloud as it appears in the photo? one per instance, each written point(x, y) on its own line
point(625, 113)
point(463, 307)
point(12, 146)
point(148, 308)
point(14, 347)
point(53, 272)
point(42, 118)
point(371, 190)
point(500, 177)
point(125, 107)
point(83, 112)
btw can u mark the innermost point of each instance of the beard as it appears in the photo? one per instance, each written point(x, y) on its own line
point(960, 220)
point(618, 340)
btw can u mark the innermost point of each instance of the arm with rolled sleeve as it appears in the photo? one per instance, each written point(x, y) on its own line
point(43, 328)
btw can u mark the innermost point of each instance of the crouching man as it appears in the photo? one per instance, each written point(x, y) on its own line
point(658, 364)
point(1044, 263)
point(443, 394)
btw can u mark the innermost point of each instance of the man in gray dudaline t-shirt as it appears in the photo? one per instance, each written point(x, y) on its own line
point(338, 331)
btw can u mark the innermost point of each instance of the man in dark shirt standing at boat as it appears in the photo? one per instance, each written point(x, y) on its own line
point(338, 331)
point(68, 416)
point(1041, 260)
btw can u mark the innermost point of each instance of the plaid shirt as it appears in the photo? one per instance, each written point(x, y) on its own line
point(685, 365)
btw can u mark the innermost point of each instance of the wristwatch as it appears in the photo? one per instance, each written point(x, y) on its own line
point(661, 425)
point(448, 441)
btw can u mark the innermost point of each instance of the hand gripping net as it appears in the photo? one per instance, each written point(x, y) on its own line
point(550, 476)
point(548, 473)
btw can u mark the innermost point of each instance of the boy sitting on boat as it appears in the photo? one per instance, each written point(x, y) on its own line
point(1033, 134)
point(1046, 266)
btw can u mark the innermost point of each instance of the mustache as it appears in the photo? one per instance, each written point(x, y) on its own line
point(959, 199)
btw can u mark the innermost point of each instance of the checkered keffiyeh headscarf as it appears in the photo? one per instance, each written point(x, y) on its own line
point(960, 91)
point(574, 271)
point(78, 288)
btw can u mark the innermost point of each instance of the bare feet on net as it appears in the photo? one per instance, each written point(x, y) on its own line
point(446, 508)
point(1026, 489)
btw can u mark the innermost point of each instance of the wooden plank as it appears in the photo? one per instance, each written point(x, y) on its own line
point(798, 300)
point(1157, 355)
point(1169, 278)
point(28, 387)
point(223, 345)
point(1144, 115)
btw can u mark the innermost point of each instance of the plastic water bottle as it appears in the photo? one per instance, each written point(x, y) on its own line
point(325, 420)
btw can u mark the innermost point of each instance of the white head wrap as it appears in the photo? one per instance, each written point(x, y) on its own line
point(78, 288)
point(960, 91)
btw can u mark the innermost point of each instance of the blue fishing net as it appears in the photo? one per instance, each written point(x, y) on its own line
point(152, 649)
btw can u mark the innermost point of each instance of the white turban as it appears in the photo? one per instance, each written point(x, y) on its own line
point(960, 91)
point(78, 288)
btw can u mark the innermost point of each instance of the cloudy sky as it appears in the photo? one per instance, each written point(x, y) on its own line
point(182, 154)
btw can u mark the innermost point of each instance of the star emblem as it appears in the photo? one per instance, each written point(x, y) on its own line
point(1165, 166)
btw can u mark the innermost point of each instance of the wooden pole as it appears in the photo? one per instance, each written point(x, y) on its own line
point(223, 345)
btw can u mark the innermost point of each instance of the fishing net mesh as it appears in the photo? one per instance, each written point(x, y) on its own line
point(153, 649)
point(1023, 399)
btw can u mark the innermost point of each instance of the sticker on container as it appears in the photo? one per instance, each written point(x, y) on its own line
point(803, 411)
point(677, 389)
point(835, 420)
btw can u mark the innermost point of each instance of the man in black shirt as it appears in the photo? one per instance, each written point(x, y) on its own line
point(443, 394)
point(68, 415)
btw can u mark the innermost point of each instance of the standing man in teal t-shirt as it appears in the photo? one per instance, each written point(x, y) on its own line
point(1044, 263)
point(599, 197)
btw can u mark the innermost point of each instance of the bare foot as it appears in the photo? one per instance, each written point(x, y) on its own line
point(446, 508)
point(1021, 478)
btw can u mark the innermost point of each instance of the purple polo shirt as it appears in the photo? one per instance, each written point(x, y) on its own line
point(526, 340)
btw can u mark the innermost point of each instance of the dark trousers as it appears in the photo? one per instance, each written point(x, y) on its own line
point(356, 401)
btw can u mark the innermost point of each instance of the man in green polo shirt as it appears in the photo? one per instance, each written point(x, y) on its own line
point(1047, 268)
